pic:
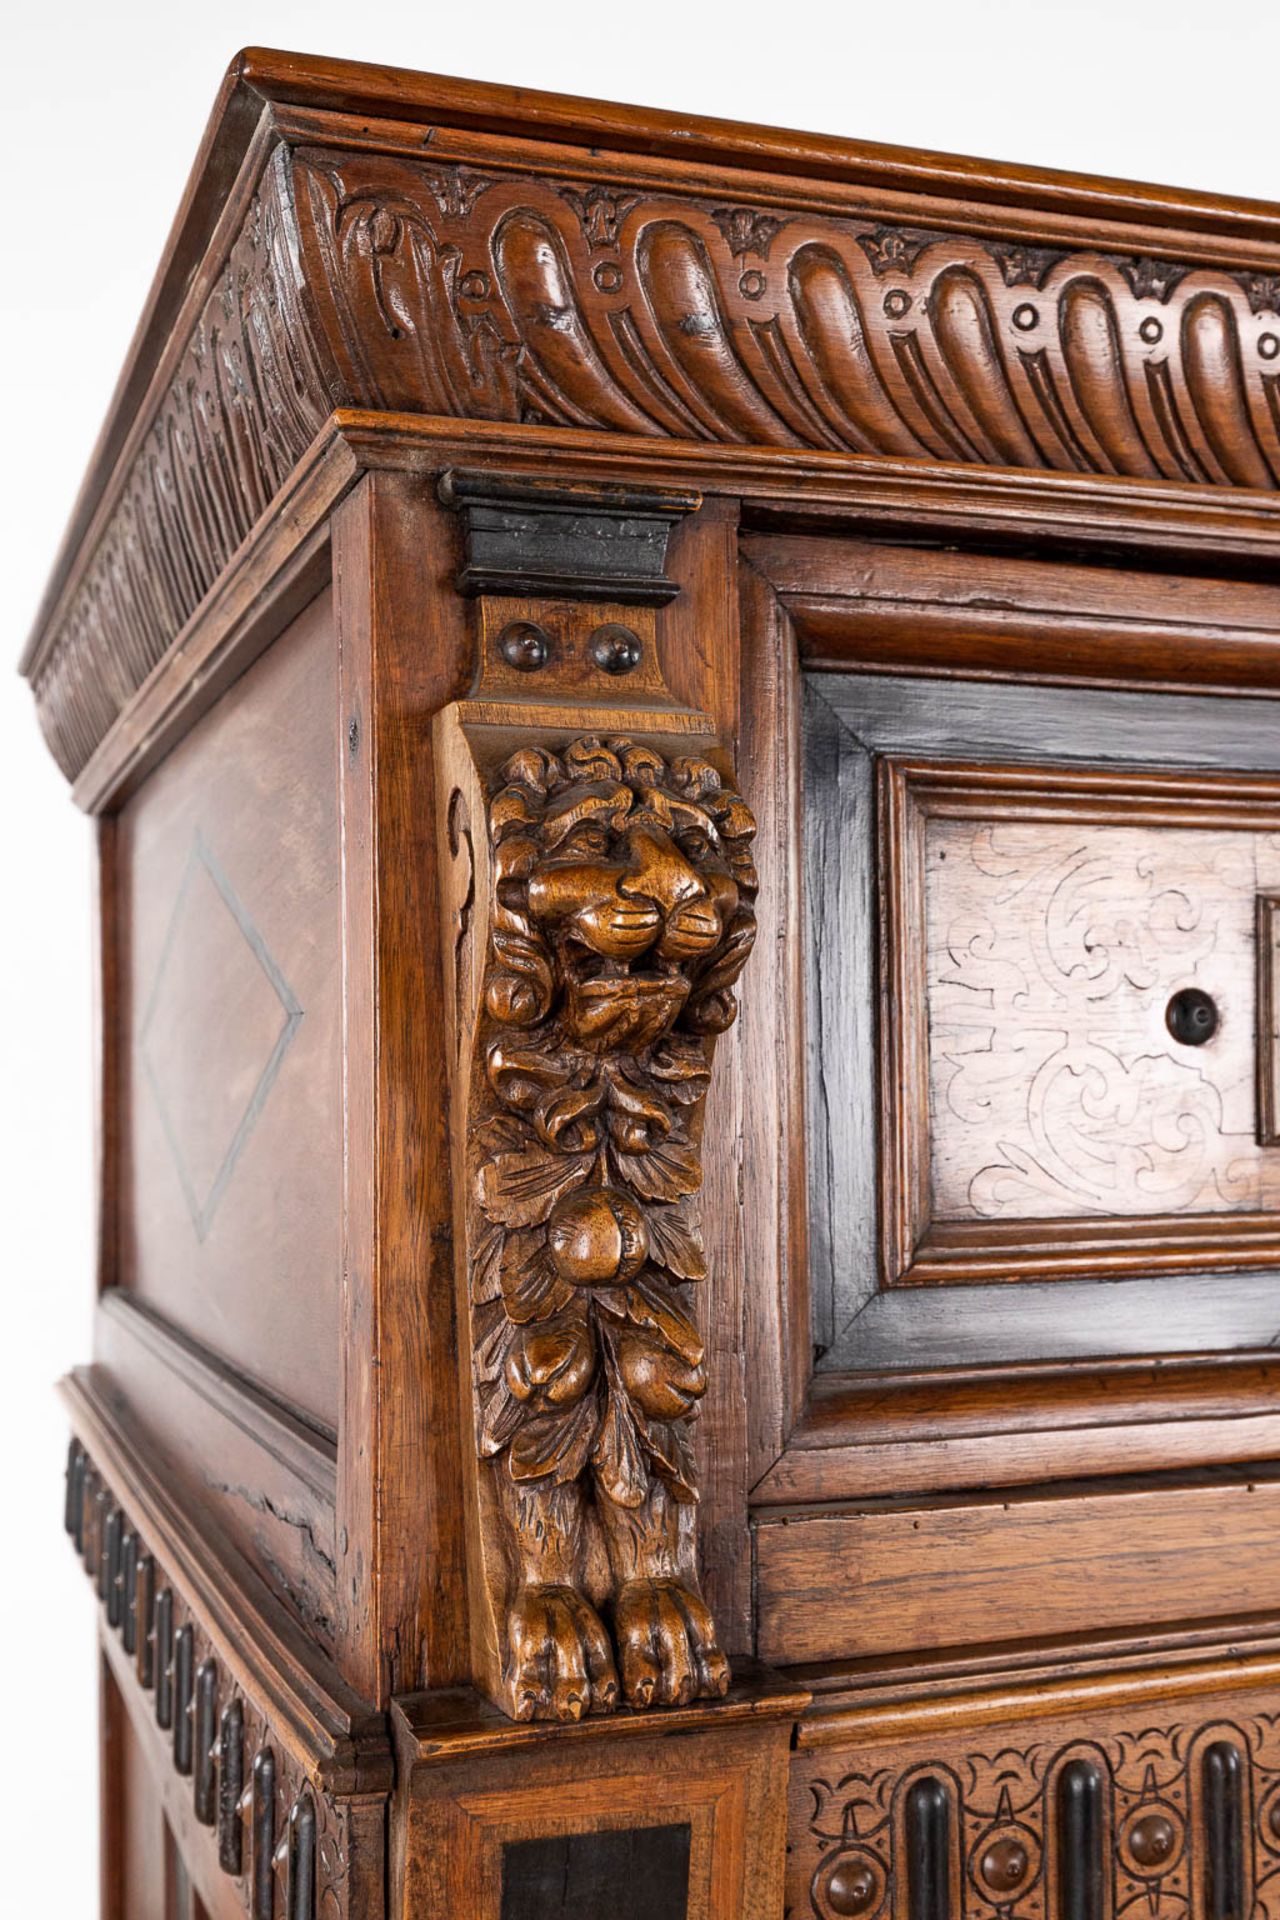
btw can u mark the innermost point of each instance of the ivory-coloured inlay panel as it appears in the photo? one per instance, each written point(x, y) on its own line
point(1056, 1088)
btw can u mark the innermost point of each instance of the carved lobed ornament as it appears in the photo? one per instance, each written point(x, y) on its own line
point(369, 280)
point(283, 1842)
point(794, 329)
point(615, 889)
point(1181, 1816)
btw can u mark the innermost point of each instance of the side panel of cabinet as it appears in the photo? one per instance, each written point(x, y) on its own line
point(228, 956)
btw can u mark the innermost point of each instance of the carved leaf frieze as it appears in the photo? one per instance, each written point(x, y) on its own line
point(245, 403)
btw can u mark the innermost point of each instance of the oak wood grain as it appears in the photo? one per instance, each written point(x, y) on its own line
point(263, 1473)
point(404, 650)
point(881, 1578)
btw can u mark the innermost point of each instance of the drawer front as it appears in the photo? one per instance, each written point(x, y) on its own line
point(1145, 1811)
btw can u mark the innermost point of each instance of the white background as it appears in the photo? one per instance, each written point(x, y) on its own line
point(102, 109)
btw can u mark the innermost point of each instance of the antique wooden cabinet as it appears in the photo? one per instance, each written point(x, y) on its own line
point(554, 577)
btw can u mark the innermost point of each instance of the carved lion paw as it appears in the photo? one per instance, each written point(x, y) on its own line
point(561, 1664)
point(667, 1644)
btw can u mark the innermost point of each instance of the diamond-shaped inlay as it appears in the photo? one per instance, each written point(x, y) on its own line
point(216, 1029)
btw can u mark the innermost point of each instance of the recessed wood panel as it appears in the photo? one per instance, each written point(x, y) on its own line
point(891, 1042)
point(1070, 1063)
point(229, 940)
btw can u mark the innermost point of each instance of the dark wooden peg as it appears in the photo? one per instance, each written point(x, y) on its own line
point(1081, 1878)
point(109, 1565)
point(144, 1608)
point(299, 1845)
point(74, 1499)
point(1224, 1876)
point(230, 1760)
point(263, 1833)
point(928, 1824)
point(525, 646)
point(128, 1586)
point(204, 1736)
point(184, 1657)
point(614, 648)
point(1192, 1017)
point(162, 1657)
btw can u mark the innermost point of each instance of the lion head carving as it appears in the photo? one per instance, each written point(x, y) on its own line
point(625, 891)
point(624, 913)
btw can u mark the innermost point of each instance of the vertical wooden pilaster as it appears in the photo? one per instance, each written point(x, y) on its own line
point(401, 1597)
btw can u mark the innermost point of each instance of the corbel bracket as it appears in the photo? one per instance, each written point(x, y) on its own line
point(599, 908)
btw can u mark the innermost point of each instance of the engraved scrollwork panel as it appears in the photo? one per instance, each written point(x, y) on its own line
point(1077, 1037)
point(1056, 1086)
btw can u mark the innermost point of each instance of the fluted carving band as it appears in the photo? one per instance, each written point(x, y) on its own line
point(373, 281)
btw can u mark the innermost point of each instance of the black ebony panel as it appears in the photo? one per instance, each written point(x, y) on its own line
point(631, 1873)
point(529, 536)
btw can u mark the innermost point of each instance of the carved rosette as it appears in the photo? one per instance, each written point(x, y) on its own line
point(621, 916)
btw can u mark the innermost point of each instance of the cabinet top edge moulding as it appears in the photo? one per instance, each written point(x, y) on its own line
point(776, 315)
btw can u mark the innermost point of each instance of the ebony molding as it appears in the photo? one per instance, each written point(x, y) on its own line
point(542, 537)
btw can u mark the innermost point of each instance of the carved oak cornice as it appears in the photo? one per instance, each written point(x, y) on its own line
point(669, 315)
point(628, 297)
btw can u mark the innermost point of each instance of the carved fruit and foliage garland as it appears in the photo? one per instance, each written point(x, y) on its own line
point(622, 917)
